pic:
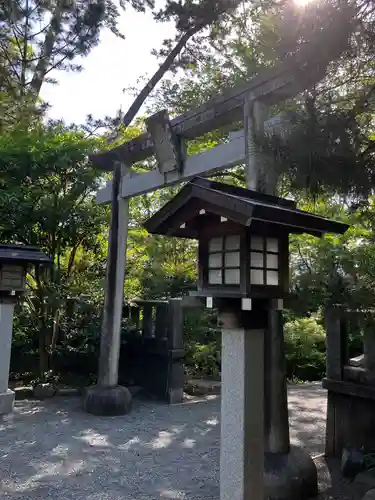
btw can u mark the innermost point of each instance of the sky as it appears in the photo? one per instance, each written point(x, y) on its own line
point(111, 66)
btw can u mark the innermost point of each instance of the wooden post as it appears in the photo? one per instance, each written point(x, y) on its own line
point(107, 398)
point(175, 384)
point(278, 434)
point(161, 321)
point(255, 114)
point(174, 325)
point(135, 316)
point(335, 343)
point(147, 327)
point(335, 352)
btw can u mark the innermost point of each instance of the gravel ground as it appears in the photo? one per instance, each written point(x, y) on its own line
point(53, 450)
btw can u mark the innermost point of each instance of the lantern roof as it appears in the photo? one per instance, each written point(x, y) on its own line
point(182, 215)
point(22, 253)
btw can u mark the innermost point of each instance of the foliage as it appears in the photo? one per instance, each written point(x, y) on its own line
point(202, 344)
point(304, 349)
point(47, 192)
point(38, 37)
point(47, 184)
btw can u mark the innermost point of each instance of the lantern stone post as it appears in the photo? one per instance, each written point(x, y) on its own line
point(242, 405)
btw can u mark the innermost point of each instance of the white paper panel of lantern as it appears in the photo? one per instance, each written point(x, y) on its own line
point(12, 277)
point(272, 245)
point(215, 245)
point(256, 259)
point(215, 260)
point(232, 276)
point(256, 277)
point(232, 259)
point(256, 243)
point(272, 261)
point(232, 242)
point(215, 277)
point(272, 278)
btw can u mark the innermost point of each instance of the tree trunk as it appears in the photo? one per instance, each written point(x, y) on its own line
point(46, 52)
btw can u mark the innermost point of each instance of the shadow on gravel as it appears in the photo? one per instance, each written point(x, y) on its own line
point(52, 449)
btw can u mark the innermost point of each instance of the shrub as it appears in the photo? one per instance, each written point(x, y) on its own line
point(202, 344)
point(304, 349)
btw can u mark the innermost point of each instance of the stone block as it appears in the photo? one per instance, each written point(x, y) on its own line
point(201, 387)
point(24, 392)
point(6, 402)
point(44, 391)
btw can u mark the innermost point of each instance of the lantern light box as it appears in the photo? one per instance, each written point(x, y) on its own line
point(14, 261)
point(243, 237)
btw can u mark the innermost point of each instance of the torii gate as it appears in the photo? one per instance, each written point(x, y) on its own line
point(166, 139)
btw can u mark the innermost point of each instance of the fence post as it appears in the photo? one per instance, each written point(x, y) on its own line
point(175, 383)
point(147, 321)
point(134, 316)
point(336, 357)
point(335, 343)
point(161, 320)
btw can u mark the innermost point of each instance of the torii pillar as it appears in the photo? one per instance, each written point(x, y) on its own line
point(107, 398)
point(289, 471)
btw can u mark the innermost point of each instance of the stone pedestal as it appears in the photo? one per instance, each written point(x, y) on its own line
point(242, 402)
point(6, 323)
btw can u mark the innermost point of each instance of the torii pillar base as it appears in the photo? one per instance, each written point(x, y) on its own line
point(107, 401)
point(290, 476)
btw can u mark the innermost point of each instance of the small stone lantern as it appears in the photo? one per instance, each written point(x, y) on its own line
point(14, 261)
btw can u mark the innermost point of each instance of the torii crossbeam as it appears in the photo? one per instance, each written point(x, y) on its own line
point(272, 86)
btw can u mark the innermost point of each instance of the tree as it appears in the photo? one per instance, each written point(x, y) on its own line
point(47, 189)
point(38, 37)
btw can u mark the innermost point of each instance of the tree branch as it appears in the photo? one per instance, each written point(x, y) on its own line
point(154, 80)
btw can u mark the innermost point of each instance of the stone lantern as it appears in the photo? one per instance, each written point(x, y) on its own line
point(243, 271)
point(14, 262)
